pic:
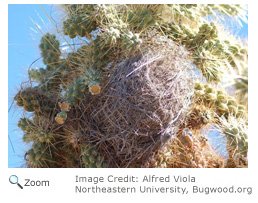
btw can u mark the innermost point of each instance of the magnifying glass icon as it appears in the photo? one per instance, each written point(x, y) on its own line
point(14, 180)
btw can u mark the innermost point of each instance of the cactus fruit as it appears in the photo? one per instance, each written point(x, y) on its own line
point(94, 87)
point(64, 106)
point(61, 117)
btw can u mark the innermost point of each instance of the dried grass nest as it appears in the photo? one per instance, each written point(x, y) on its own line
point(141, 105)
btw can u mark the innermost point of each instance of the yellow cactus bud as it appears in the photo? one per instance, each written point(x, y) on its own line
point(64, 106)
point(59, 120)
point(94, 88)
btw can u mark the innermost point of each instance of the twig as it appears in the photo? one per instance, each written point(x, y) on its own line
point(148, 62)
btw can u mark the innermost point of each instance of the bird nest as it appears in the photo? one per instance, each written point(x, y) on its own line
point(141, 105)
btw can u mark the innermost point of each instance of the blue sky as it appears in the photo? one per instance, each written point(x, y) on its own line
point(23, 40)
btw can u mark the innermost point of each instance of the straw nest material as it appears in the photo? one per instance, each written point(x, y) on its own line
point(180, 154)
point(141, 105)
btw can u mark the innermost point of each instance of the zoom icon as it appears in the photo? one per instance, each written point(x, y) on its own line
point(14, 180)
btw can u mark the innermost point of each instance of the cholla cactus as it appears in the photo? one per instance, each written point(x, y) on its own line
point(222, 103)
point(142, 92)
point(35, 100)
point(90, 157)
point(241, 86)
point(235, 130)
point(50, 52)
